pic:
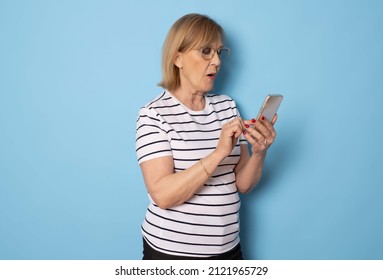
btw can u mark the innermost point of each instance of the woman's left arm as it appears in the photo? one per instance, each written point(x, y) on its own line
point(260, 135)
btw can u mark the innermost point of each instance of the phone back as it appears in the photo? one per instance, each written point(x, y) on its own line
point(270, 106)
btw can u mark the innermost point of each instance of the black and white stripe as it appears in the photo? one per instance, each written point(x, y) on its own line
point(207, 224)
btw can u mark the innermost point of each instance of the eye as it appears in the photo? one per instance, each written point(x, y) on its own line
point(206, 50)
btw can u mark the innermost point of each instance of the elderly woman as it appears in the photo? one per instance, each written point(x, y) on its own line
point(192, 147)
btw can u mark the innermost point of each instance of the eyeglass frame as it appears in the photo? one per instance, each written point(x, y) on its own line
point(213, 52)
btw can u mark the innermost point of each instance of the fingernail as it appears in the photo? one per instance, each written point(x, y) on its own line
point(263, 118)
point(253, 120)
point(247, 126)
point(244, 132)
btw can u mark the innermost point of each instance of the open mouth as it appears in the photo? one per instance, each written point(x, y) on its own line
point(211, 75)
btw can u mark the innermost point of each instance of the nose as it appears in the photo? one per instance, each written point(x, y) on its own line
point(215, 60)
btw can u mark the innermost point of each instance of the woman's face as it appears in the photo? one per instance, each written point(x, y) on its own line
point(198, 74)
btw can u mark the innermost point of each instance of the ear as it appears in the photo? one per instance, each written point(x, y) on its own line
point(178, 61)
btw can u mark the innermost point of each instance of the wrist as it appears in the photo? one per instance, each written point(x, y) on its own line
point(218, 156)
point(259, 156)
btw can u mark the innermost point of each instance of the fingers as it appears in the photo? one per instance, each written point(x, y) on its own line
point(261, 130)
point(266, 127)
point(229, 136)
point(259, 133)
point(235, 127)
point(255, 131)
point(274, 120)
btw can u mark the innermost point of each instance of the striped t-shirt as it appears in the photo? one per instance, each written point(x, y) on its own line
point(207, 224)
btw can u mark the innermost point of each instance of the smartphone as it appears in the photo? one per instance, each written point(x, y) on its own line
point(270, 106)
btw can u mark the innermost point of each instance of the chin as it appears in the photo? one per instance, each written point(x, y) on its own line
point(208, 88)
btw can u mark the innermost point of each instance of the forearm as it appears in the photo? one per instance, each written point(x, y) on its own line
point(248, 176)
point(177, 188)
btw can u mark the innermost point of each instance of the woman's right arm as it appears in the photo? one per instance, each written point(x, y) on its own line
point(169, 189)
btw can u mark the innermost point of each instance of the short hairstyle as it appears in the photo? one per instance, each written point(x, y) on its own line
point(190, 31)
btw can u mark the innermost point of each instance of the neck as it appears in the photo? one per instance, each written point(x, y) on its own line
point(193, 100)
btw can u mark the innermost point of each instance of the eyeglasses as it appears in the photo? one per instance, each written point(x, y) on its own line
point(208, 53)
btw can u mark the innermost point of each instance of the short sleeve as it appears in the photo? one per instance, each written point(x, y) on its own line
point(151, 138)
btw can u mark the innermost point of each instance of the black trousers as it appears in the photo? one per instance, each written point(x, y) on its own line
point(151, 254)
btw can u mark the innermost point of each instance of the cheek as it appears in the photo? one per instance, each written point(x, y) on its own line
point(195, 71)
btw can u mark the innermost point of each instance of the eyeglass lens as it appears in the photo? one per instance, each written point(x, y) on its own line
point(208, 53)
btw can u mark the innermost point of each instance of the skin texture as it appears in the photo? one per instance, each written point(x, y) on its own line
point(169, 189)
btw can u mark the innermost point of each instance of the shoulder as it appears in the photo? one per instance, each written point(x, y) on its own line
point(160, 100)
point(158, 103)
point(161, 103)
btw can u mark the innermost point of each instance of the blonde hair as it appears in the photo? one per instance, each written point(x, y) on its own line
point(188, 32)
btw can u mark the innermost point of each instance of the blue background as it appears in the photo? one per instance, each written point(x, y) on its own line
point(73, 75)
